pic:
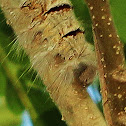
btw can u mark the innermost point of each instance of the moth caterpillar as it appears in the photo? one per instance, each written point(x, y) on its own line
point(55, 43)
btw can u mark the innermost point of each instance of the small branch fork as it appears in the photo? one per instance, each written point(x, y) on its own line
point(110, 57)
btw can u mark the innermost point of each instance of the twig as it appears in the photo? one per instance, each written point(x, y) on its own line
point(111, 59)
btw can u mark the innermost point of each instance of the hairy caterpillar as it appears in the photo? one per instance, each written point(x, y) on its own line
point(52, 28)
point(55, 43)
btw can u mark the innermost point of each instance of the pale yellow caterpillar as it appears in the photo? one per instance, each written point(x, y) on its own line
point(55, 43)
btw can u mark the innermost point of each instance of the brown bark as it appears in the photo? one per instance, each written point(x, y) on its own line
point(110, 56)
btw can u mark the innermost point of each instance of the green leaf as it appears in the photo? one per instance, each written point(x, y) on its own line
point(2, 82)
point(6, 29)
point(12, 99)
point(118, 9)
point(53, 118)
point(82, 14)
point(40, 100)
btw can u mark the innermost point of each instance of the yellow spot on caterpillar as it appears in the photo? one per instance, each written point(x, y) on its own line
point(119, 96)
point(71, 57)
point(62, 118)
point(108, 23)
point(86, 108)
point(91, 117)
point(8, 22)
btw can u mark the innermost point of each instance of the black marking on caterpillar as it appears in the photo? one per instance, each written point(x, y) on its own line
point(73, 33)
point(64, 7)
point(84, 74)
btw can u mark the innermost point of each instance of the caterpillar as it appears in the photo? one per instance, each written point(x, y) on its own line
point(54, 40)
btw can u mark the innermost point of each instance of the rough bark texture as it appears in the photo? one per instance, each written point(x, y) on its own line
point(111, 60)
point(54, 41)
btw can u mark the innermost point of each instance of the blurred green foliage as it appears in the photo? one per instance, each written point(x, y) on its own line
point(118, 10)
point(2, 82)
point(19, 65)
point(82, 14)
point(7, 118)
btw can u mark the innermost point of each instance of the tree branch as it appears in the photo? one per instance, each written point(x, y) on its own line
point(111, 60)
